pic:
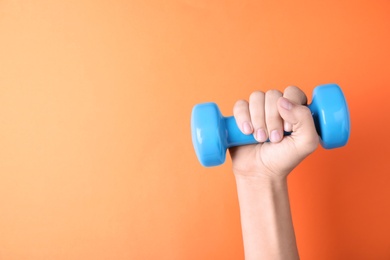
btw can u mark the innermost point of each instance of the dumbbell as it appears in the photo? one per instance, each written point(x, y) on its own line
point(212, 133)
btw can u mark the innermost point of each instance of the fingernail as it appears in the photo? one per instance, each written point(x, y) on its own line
point(286, 104)
point(275, 136)
point(261, 136)
point(247, 128)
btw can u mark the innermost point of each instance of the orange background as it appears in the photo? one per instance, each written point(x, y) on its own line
point(96, 160)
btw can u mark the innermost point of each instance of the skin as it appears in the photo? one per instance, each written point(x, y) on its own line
point(261, 170)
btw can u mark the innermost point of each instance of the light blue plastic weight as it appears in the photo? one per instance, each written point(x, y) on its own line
point(212, 133)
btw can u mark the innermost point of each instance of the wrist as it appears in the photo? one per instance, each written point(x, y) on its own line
point(260, 182)
point(265, 176)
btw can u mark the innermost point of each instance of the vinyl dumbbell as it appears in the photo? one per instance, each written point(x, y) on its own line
point(213, 134)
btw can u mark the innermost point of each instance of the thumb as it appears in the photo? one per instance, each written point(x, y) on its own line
point(304, 134)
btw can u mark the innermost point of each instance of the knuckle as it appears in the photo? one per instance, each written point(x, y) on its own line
point(295, 94)
point(239, 106)
point(292, 89)
point(273, 92)
point(304, 111)
point(241, 102)
point(257, 95)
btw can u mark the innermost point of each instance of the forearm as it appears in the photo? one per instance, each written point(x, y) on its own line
point(267, 228)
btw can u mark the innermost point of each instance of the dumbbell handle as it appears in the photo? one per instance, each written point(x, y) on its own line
point(234, 135)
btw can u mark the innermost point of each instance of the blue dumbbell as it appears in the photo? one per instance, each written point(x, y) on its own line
point(213, 134)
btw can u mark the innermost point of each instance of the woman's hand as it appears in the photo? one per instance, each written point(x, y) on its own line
point(267, 116)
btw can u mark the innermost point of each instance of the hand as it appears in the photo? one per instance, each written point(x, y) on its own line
point(266, 116)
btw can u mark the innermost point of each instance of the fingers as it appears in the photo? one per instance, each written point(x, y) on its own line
point(262, 115)
point(296, 96)
point(273, 120)
point(256, 107)
point(242, 115)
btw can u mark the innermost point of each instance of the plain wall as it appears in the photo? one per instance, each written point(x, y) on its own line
point(96, 159)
